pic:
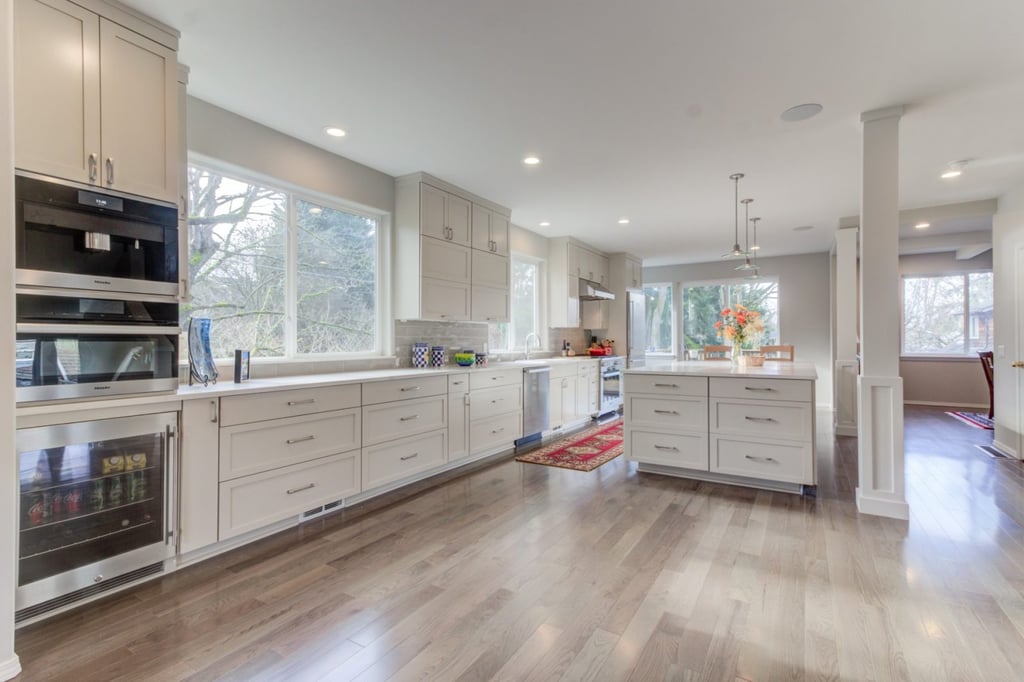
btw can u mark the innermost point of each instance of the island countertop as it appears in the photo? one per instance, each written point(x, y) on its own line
point(705, 368)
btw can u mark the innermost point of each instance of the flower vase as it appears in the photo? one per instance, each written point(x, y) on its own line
point(736, 354)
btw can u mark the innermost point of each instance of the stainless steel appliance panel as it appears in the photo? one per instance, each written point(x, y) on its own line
point(610, 384)
point(536, 387)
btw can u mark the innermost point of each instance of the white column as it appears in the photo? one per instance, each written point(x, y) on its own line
point(880, 389)
point(9, 666)
point(846, 332)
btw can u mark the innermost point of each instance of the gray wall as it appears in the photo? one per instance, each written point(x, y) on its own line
point(804, 303)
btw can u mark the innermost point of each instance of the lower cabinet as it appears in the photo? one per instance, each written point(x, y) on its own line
point(198, 474)
point(495, 432)
point(495, 409)
point(458, 417)
point(251, 502)
point(398, 459)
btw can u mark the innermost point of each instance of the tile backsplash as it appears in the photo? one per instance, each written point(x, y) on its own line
point(452, 335)
point(578, 338)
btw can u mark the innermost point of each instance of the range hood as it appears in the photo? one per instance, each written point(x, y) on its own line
point(592, 291)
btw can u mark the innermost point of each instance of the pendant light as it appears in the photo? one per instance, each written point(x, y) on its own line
point(747, 265)
point(736, 251)
point(755, 247)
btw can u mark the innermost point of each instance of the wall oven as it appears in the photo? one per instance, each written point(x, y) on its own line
point(81, 345)
point(71, 237)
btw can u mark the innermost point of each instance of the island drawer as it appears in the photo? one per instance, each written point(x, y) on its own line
point(402, 389)
point(685, 413)
point(665, 384)
point(762, 418)
point(251, 448)
point(258, 407)
point(769, 461)
point(255, 501)
point(402, 458)
point(389, 421)
point(495, 401)
point(687, 450)
point(513, 376)
point(797, 390)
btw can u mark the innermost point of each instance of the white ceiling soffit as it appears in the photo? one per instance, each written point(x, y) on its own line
point(636, 109)
point(964, 243)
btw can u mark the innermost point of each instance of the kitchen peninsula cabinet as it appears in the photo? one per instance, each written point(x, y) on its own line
point(96, 102)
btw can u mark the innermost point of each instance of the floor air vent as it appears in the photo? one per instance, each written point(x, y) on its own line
point(85, 592)
point(991, 452)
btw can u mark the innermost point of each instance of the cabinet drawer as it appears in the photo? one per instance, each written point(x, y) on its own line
point(402, 458)
point(261, 499)
point(458, 384)
point(490, 270)
point(761, 389)
point(252, 448)
point(768, 461)
point(685, 413)
point(560, 370)
point(762, 419)
point(665, 384)
point(689, 450)
point(588, 368)
point(258, 407)
point(445, 260)
point(495, 401)
point(403, 389)
point(388, 421)
point(493, 432)
point(513, 376)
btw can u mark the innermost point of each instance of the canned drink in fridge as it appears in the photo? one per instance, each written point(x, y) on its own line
point(35, 511)
point(96, 500)
point(73, 500)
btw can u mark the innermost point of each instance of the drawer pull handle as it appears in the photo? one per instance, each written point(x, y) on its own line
point(408, 457)
point(666, 385)
point(763, 420)
point(666, 447)
point(293, 441)
point(409, 388)
point(458, 383)
point(760, 459)
point(497, 400)
point(409, 418)
point(498, 430)
point(757, 388)
point(496, 378)
point(666, 412)
point(299, 490)
point(307, 401)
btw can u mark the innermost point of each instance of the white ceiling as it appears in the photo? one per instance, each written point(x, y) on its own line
point(637, 109)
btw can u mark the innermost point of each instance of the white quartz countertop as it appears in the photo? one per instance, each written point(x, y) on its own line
point(770, 370)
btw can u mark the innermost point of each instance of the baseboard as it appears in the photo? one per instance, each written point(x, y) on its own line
point(10, 668)
point(880, 506)
point(1005, 449)
point(932, 403)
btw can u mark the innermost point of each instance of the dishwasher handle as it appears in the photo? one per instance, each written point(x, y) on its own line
point(537, 370)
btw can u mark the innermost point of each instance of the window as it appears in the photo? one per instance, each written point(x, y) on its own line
point(525, 318)
point(947, 314)
point(704, 301)
point(280, 273)
point(660, 320)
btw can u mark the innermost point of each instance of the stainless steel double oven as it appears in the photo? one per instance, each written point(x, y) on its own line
point(97, 316)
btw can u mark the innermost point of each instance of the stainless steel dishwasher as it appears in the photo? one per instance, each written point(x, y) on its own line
point(536, 417)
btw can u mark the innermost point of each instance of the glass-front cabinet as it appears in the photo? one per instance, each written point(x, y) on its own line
point(92, 503)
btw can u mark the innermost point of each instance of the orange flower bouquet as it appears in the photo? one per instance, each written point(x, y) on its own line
point(740, 326)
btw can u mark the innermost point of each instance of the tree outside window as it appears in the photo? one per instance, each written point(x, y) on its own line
point(525, 318)
point(660, 320)
point(947, 314)
point(703, 303)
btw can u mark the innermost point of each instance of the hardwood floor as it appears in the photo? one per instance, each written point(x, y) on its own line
point(526, 572)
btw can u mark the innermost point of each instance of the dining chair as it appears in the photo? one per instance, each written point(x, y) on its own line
point(718, 353)
point(986, 358)
point(783, 353)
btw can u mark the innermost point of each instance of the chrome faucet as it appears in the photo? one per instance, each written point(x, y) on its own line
point(534, 335)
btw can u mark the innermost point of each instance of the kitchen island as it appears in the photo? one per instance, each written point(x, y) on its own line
point(714, 421)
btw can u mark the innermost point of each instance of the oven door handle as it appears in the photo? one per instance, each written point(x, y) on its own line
point(98, 329)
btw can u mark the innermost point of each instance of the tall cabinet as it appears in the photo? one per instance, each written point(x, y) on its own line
point(451, 253)
point(569, 261)
point(95, 100)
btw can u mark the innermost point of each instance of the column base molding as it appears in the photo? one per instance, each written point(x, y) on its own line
point(10, 668)
point(881, 489)
point(881, 506)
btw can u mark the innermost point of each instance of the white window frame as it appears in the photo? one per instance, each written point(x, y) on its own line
point(540, 310)
point(726, 282)
point(384, 343)
point(966, 356)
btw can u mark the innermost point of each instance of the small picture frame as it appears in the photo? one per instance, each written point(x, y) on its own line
point(241, 366)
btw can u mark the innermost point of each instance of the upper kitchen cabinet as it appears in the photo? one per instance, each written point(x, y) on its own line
point(444, 215)
point(634, 273)
point(96, 99)
point(490, 230)
point(569, 261)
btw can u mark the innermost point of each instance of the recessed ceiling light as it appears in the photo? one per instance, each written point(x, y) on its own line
point(953, 170)
point(801, 112)
point(623, 221)
point(334, 131)
point(531, 160)
point(545, 224)
point(803, 228)
point(922, 226)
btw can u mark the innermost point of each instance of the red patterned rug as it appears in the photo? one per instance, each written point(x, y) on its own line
point(585, 451)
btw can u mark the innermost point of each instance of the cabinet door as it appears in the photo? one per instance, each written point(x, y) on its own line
point(197, 487)
point(458, 426)
point(594, 393)
point(460, 218)
point(499, 234)
point(56, 89)
point(441, 300)
point(491, 270)
point(601, 267)
point(490, 304)
point(445, 260)
point(576, 256)
point(555, 403)
point(568, 399)
point(634, 274)
point(139, 122)
point(481, 228)
point(573, 303)
point(582, 396)
point(432, 207)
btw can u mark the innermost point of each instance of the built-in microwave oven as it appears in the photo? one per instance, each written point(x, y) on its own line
point(85, 345)
point(73, 237)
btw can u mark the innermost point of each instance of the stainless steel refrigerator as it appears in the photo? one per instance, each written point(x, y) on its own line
point(636, 328)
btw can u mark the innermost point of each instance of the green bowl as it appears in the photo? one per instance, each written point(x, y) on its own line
point(465, 359)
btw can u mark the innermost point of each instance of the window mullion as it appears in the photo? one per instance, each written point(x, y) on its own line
point(967, 313)
point(291, 281)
